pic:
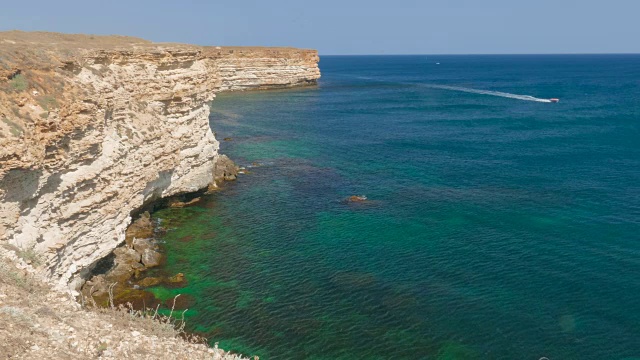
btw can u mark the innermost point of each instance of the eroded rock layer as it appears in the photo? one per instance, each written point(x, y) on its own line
point(93, 128)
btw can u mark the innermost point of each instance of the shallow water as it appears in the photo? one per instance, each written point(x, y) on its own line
point(495, 228)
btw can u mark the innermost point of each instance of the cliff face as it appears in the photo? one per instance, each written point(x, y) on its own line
point(246, 69)
point(92, 128)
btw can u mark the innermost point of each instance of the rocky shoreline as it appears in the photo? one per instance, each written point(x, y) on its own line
point(122, 278)
point(95, 128)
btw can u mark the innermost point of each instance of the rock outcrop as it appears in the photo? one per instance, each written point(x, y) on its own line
point(94, 128)
point(226, 170)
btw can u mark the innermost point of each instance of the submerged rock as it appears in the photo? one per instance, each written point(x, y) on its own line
point(139, 299)
point(150, 281)
point(177, 278)
point(175, 203)
point(187, 238)
point(176, 281)
point(125, 277)
point(356, 198)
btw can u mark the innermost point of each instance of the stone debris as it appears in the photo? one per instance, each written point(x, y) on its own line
point(151, 258)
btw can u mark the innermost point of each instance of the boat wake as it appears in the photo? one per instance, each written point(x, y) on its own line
point(488, 92)
point(467, 90)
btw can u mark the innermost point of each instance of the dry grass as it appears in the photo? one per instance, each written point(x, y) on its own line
point(38, 322)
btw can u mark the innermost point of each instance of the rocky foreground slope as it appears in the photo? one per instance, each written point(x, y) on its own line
point(39, 323)
point(92, 128)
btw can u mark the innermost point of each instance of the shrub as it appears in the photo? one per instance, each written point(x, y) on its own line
point(18, 83)
point(30, 256)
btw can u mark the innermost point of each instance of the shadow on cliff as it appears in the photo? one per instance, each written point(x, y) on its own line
point(154, 189)
point(20, 184)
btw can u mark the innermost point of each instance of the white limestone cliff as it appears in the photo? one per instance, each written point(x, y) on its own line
point(93, 128)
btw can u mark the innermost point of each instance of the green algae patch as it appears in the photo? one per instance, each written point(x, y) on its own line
point(456, 351)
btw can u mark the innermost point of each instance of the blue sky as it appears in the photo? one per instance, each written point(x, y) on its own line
point(351, 26)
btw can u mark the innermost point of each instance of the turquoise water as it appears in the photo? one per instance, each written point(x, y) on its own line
point(496, 227)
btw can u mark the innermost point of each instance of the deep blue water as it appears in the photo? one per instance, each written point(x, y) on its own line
point(496, 228)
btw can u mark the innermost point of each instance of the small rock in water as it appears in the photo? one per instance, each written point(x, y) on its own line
point(357, 198)
point(151, 258)
point(225, 169)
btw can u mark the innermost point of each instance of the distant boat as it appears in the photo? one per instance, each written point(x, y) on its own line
point(554, 100)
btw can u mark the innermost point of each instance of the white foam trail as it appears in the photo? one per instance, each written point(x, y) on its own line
point(488, 92)
point(464, 89)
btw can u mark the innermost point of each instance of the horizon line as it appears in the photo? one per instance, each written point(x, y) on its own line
point(484, 54)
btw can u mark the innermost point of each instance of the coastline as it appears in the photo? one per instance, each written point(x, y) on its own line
point(123, 277)
point(96, 128)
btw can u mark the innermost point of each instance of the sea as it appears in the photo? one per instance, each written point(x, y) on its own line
point(497, 224)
